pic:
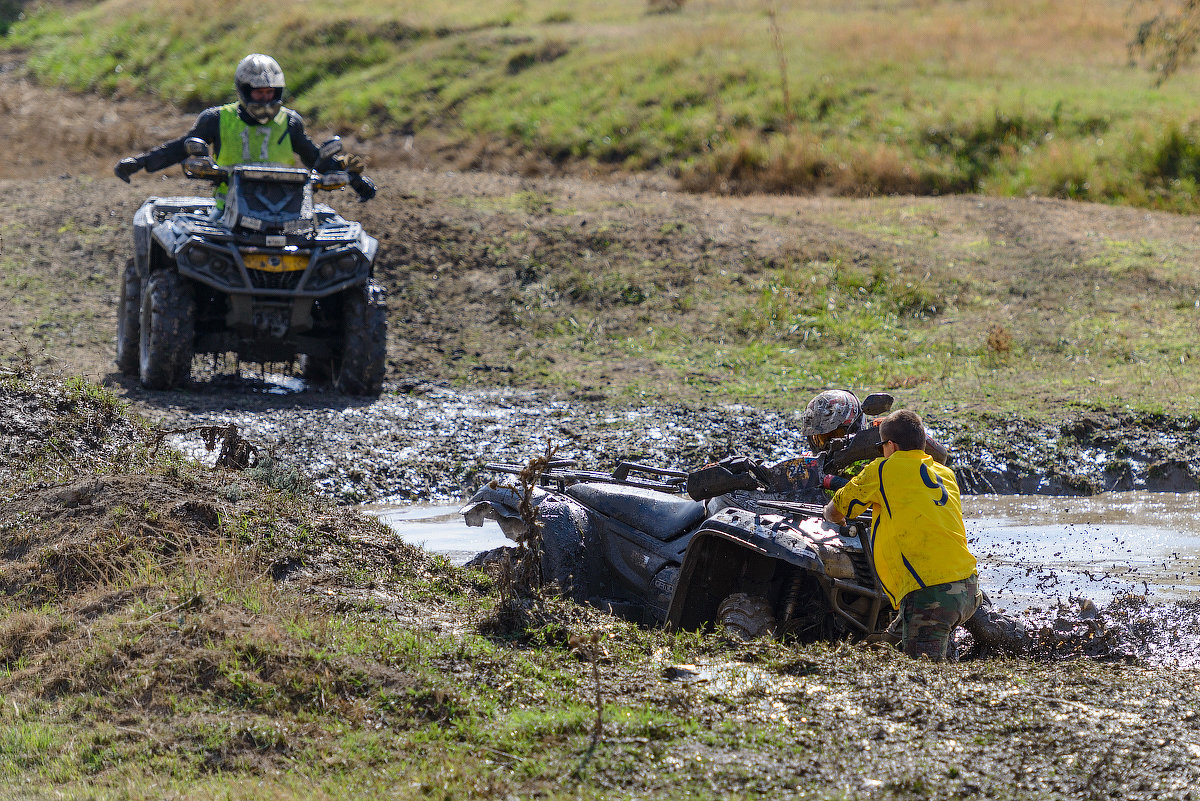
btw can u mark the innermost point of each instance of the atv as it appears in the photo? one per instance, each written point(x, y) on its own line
point(736, 544)
point(633, 543)
point(272, 277)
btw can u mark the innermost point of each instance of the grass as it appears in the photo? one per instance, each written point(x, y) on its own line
point(149, 648)
point(854, 98)
point(1117, 319)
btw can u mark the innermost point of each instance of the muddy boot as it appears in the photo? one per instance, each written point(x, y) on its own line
point(892, 635)
point(996, 632)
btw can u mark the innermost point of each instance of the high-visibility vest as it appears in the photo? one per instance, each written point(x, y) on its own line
point(252, 144)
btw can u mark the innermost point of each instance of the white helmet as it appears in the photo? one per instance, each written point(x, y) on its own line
point(833, 413)
point(257, 71)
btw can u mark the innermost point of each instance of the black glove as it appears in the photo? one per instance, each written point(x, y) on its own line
point(363, 186)
point(127, 167)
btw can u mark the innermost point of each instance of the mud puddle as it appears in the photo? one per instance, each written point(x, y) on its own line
point(1038, 549)
point(1033, 550)
point(1124, 565)
point(439, 529)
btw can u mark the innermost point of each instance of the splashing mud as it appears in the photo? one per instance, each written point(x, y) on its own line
point(1111, 576)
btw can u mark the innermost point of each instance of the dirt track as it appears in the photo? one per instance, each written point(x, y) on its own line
point(452, 297)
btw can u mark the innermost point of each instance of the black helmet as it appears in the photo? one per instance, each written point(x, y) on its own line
point(257, 71)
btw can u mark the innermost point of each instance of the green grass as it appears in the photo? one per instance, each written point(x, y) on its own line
point(998, 97)
point(923, 306)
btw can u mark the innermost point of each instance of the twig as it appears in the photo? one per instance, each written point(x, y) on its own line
point(145, 734)
point(63, 456)
point(1064, 701)
point(781, 57)
point(504, 754)
point(590, 649)
point(194, 601)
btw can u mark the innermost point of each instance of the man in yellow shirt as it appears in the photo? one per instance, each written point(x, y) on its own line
point(918, 540)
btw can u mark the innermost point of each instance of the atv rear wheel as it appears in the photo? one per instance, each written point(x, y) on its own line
point(129, 313)
point(563, 550)
point(364, 341)
point(168, 327)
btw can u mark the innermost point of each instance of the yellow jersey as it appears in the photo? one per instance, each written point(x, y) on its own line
point(917, 536)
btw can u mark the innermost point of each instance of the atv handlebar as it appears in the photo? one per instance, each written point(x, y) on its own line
point(203, 168)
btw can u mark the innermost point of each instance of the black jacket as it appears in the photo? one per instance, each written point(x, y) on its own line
point(208, 128)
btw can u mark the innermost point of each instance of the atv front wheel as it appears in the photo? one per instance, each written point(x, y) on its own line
point(316, 372)
point(129, 312)
point(168, 327)
point(364, 341)
point(746, 617)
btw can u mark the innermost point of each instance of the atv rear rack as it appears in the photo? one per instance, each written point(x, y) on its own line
point(558, 473)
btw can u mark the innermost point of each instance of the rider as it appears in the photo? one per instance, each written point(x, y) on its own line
point(832, 414)
point(255, 129)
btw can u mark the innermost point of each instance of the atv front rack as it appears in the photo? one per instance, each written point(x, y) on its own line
point(559, 474)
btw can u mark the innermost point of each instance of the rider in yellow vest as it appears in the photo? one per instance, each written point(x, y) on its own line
point(256, 129)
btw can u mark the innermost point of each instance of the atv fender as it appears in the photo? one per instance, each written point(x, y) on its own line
point(502, 504)
point(742, 552)
point(723, 559)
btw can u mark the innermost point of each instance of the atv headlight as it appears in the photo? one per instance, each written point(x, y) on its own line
point(219, 265)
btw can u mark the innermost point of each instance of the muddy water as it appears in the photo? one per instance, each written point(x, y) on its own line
point(1033, 550)
point(439, 529)
point(1133, 556)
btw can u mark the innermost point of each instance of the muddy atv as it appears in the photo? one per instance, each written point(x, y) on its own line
point(633, 543)
point(273, 277)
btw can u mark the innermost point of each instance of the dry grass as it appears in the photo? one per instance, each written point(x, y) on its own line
point(805, 164)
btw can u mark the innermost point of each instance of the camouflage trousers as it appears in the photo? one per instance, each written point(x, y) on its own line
point(929, 615)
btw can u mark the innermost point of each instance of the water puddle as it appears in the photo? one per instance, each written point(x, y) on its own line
point(1035, 550)
point(1135, 555)
point(439, 529)
point(1032, 549)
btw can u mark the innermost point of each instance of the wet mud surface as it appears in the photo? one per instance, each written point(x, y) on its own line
point(1091, 593)
point(425, 442)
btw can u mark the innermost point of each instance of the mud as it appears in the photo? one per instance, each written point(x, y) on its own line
point(429, 443)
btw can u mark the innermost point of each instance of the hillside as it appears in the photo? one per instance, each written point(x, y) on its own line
point(852, 98)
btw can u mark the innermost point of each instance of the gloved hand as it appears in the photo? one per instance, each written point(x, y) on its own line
point(352, 163)
point(127, 167)
point(362, 186)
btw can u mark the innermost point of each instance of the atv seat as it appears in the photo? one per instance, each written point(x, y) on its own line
point(652, 512)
